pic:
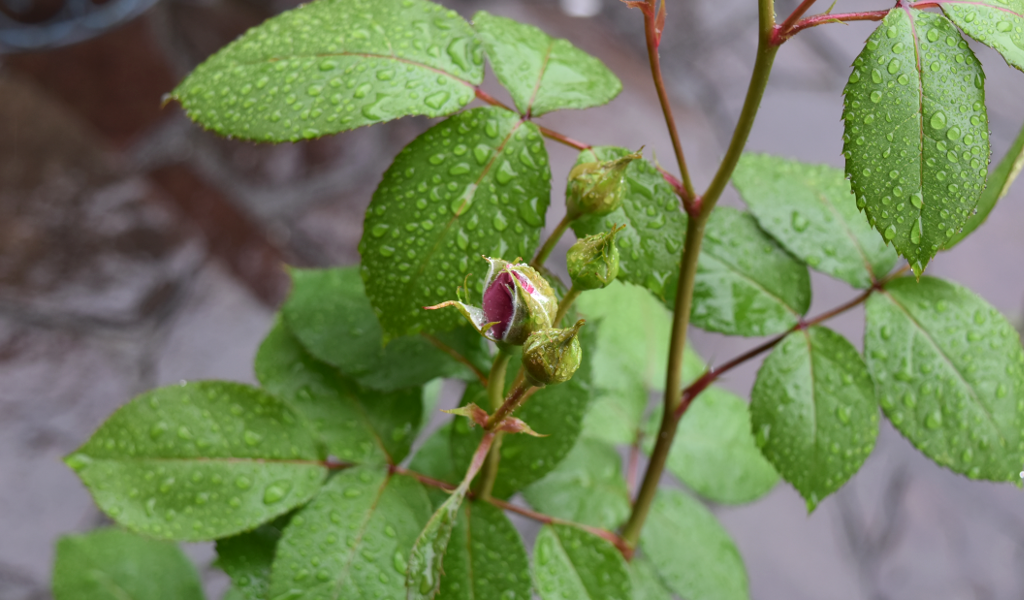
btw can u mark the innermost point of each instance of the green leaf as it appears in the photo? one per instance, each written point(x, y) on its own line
point(247, 557)
point(200, 461)
point(540, 72)
point(328, 312)
point(950, 373)
point(714, 451)
point(571, 563)
point(477, 183)
point(999, 183)
point(357, 425)
point(810, 211)
point(647, 584)
point(555, 411)
point(691, 551)
point(434, 458)
point(650, 246)
point(814, 412)
point(746, 283)
point(586, 487)
point(916, 141)
point(423, 577)
point(486, 557)
point(334, 65)
point(628, 358)
point(998, 24)
point(352, 541)
point(113, 564)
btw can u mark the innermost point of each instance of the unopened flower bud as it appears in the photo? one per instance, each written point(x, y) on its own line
point(552, 356)
point(594, 261)
point(597, 188)
point(518, 301)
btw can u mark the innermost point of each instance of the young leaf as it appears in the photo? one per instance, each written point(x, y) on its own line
point(357, 425)
point(328, 312)
point(571, 563)
point(809, 210)
point(998, 24)
point(714, 451)
point(647, 584)
point(247, 557)
point(540, 72)
point(691, 551)
point(200, 461)
point(352, 541)
point(998, 185)
point(627, 360)
point(334, 65)
point(916, 141)
point(113, 564)
point(586, 487)
point(477, 183)
point(486, 557)
point(814, 412)
point(655, 226)
point(950, 374)
point(556, 411)
point(746, 283)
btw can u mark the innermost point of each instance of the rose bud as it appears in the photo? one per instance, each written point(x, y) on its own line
point(552, 356)
point(594, 261)
point(597, 188)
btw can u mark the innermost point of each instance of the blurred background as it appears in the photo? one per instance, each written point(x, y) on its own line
point(137, 250)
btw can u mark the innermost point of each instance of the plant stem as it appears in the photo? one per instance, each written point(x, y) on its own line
point(563, 306)
point(554, 135)
point(552, 241)
point(460, 358)
point(495, 396)
point(514, 400)
point(653, 41)
point(793, 18)
point(688, 269)
point(814, 21)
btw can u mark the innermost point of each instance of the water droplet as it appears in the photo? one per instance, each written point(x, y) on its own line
point(436, 100)
point(1004, 26)
point(252, 438)
point(933, 35)
point(379, 230)
point(876, 96)
point(938, 120)
point(461, 204)
point(158, 429)
point(844, 413)
point(500, 222)
point(243, 482)
point(894, 65)
point(934, 419)
point(276, 491)
point(505, 173)
point(890, 232)
point(917, 200)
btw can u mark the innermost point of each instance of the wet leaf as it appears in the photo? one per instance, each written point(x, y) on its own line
point(200, 461)
point(651, 244)
point(571, 563)
point(950, 375)
point(477, 183)
point(113, 564)
point(810, 211)
point(540, 72)
point(999, 24)
point(486, 557)
point(247, 557)
point(434, 458)
point(647, 584)
point(746, 283)
point(334, 65)
point(680, 531)
point(328, 312)
point(423, 578)
point(353, 540)
point(916, 141)
point(587, 487)
point(357, 425)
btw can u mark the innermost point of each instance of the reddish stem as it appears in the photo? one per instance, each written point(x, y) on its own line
point(792, 19)
point(780, 36)
point(548, 133)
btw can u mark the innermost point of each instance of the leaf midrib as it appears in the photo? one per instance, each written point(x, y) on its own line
point(731, 268)
point(849, 233)
point(344, 576)
point(574, 572)
point(400, 59)
point(982, 4)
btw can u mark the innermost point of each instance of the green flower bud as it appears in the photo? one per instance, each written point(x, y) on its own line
point(597, 188)
point(552, 356)
point(594, 261)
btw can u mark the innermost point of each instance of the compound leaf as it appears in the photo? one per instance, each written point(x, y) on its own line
point(714, 451)
point(335, 65)
point(540, 72)
point(477, 183)
point(809, 210)
point(328, 312)
point(486, 557)
point(950, 373)
point(916, 141)
point(998, 24)
point(352, 541)
point(999, 183)
point(746, 283)
point(651, 243)
point(586, 487)
point(113, 564)
point(571, 563)
point(814, 412)
point(200, 461)
point(247, 558)
point(680, 531)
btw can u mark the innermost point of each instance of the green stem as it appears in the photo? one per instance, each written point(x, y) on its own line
point(549, 245)
point(688, 270)
point(514, 401)
point(563, 306)
point(495, 397)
